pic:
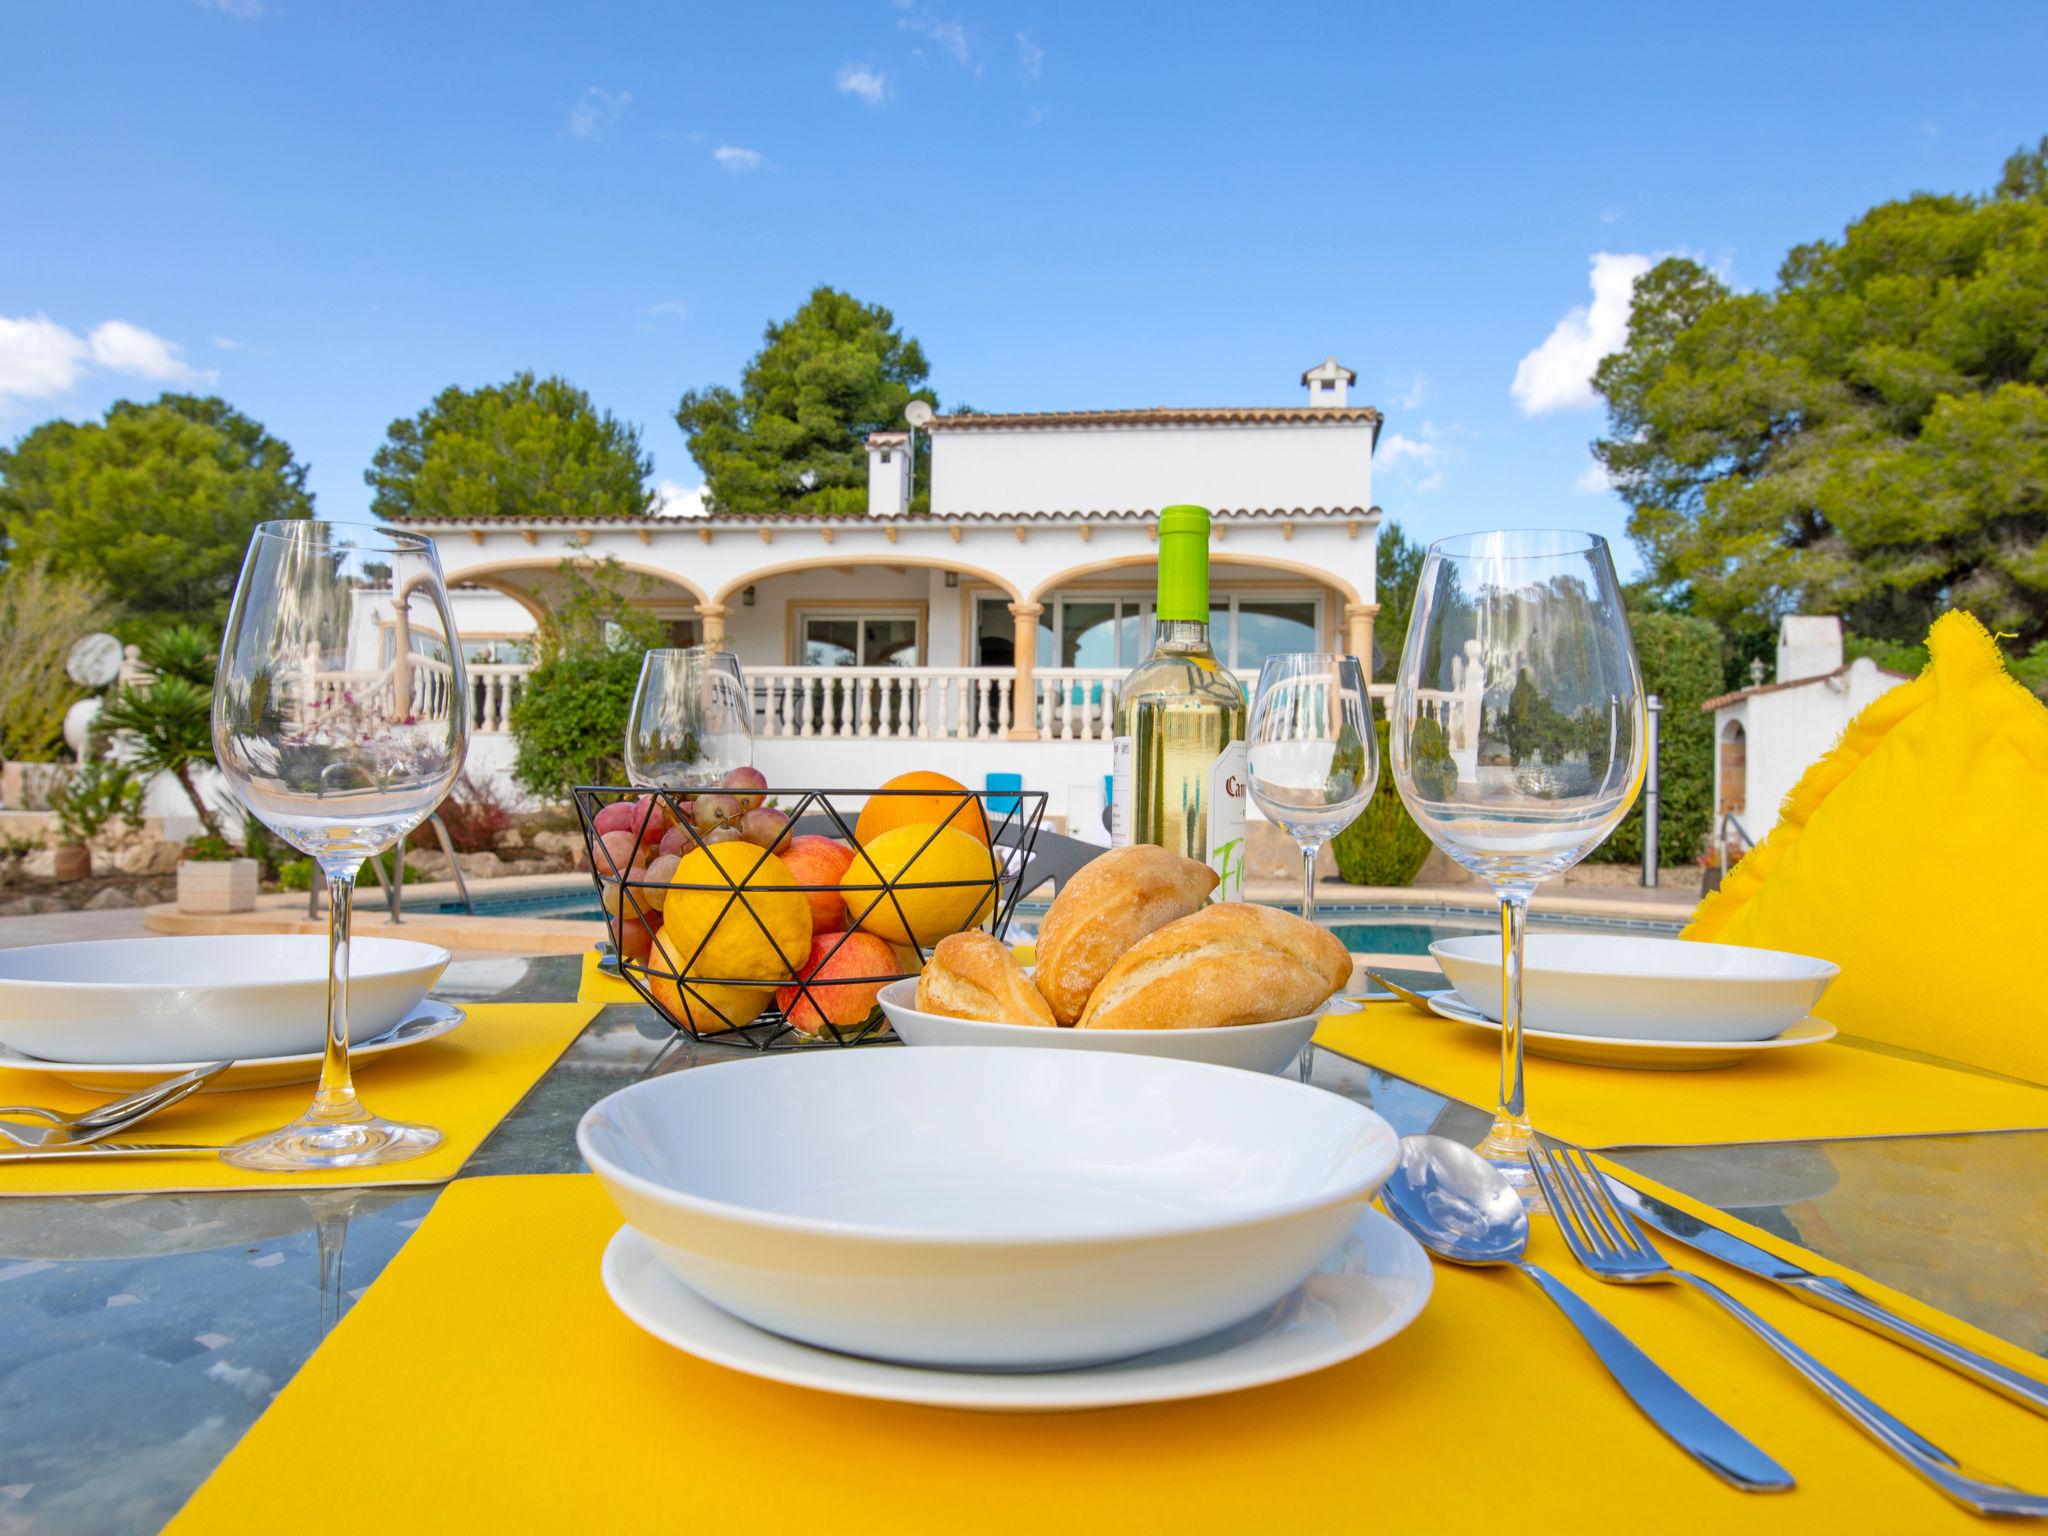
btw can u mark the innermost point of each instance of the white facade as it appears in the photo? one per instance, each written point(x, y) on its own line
point(1765, 738)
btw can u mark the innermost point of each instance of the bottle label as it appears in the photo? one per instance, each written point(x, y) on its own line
point(1122, 753)
point(1227, 779)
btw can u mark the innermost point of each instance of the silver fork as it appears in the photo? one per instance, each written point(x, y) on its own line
point(1607, 1241)
point(105, 1119)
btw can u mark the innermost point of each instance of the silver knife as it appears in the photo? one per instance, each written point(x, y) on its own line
point(100, 1149)
point(1831, 1295)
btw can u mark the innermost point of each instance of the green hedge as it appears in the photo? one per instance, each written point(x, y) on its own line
point(1384, 846)
point(1681, 662)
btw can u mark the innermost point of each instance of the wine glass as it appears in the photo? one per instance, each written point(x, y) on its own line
point(1311, 754)
point(692, 721)
point(340, 718)
point(1517, 738)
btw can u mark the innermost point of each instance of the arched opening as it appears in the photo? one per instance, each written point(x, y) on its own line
point(1734, 775)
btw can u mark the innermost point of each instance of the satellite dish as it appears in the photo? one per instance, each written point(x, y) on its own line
point(94, 661)
point(917, 413)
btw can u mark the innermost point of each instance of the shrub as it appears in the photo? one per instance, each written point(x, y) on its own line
point(41, 617)
point(476, 814)
point(96, 796)
point(1384, 846)
point(211, 847)
point(1681, 661)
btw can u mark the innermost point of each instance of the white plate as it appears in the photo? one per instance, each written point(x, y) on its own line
point(429, 1021)
point(986, 1208)
point(1253, 1047)
point(112, 1002)
point(1657, 1055)
point(1362, 1295)
point(1632, 986)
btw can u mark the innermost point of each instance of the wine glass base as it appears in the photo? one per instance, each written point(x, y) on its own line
point(312, 1144)
point(1507, 1147)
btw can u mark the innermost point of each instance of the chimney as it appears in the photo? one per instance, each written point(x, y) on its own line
point(1809, 645)
point(888, 474)
point(1328, 382)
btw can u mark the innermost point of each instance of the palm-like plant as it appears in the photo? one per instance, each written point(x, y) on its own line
point(169, 723)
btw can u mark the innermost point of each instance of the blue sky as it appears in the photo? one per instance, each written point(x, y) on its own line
point(327, 212)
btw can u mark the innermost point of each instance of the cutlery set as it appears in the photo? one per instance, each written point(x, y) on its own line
point(66, 1135)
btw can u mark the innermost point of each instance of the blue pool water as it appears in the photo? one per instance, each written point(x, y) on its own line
point(1386, 928)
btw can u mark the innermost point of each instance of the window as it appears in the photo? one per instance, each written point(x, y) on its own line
point(858, 639)
point(1112, 631)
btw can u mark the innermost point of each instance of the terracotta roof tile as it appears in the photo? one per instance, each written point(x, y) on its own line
point(1721, 700)
point(1166, 416)
point(1076, 515)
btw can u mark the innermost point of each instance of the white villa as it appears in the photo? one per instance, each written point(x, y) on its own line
point(1765, 737)
point(986, 635)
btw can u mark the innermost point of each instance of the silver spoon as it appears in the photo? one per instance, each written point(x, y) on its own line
point(1460, 1208)
point(106, 1119)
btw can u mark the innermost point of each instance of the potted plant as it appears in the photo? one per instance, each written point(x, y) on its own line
point(89, 802)
point(166, 725)
point(214, 876)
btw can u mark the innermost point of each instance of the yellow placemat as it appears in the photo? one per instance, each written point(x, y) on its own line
point(1824, 1091)
point(541, 1408)
point(595, 986)
point(464, 1083)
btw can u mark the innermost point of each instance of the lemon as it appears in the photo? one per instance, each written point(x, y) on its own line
point(909, 857)
point(765, 936)
point(707, 1010)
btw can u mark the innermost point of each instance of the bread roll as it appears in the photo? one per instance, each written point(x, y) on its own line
point(1113, 901)
point(973, 975)
point(1232, 963)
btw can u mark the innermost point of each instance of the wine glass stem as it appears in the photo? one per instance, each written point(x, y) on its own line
point(336, 1098)
point(1508, 1141)
point(1309, 853)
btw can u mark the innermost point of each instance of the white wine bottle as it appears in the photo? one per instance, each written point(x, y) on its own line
point(1179, 746)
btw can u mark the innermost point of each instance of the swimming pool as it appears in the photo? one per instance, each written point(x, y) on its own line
point(1378, 928)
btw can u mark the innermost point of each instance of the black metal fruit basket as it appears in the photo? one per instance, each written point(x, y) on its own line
point(715, 953)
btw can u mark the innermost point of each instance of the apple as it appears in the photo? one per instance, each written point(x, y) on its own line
point(846, 1006)
point(634, 938)
point(616, 852)
point(764, 828)
point(819, 861)
point(751, 786)
point(646, 819)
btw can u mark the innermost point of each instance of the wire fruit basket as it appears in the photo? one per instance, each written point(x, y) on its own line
point(774, 926)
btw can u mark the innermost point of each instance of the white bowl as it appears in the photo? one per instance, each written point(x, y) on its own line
point(981, 1208)
point(1254, 1047)
point(112, 1001)
point(1642, 988)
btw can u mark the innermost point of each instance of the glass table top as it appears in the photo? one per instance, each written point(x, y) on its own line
point(140, 1335)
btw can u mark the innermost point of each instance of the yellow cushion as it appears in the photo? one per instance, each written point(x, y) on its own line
point(1912, 855)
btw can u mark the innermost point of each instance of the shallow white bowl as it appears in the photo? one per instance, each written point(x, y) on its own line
point(1642, 988)
point(111, 1001)
point(986, 1208)
point(1254, 1047)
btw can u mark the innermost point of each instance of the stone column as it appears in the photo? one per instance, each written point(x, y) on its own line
point(1358, 619)
point(711, 624)
point(1024, 692)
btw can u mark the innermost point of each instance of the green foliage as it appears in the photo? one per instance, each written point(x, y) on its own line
point(1680, 657)
point(1892, 655)
point(569, 723)
point(1870, 438)
point(1432, 767)
point(792, 438)
point(524, 448)
point(1398, 569)
point(169, 720)
point(95, 797)
point(154, 504)
point(295, 875)
point(210, 848)
point(42, 615)
point(1384, 846)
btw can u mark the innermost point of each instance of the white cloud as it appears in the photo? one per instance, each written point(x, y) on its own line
point(241, 10)
point(598, 111)
point(672, 499)
point(1558, 375)
point(1030, 58)
point(120, 347)
point(1593, 480)
point(674, 309)
point(950, 36)
point(1610, 215)
point(40, 359)
point(870, 85)
point(227, 344)
point(1410, 396)
point(739, 162)
point(1401, 456)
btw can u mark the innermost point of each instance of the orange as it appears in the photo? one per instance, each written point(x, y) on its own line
point(915, 912)
point(942, 803)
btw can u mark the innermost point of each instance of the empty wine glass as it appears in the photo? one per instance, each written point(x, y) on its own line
point(692, 721)
point(1311, 753)
point(1517, 737)
point(340, 718)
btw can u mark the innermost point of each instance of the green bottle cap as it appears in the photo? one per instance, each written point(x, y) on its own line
point(1183, 564)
